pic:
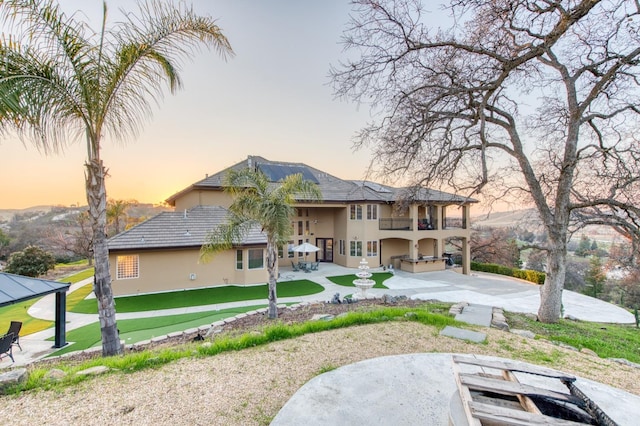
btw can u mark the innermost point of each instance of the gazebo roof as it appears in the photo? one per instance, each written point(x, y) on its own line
point(18, 288)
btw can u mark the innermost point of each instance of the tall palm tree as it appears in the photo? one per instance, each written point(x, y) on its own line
point(61, 81)
point(258, 202)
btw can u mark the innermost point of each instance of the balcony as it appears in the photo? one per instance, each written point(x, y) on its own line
point(455, 223)
point(395, 224)
point(406, 224)
point(427, 225)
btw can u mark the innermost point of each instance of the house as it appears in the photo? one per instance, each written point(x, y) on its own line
point(402, 227)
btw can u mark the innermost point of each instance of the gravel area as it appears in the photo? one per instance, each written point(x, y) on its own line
point(249, 387)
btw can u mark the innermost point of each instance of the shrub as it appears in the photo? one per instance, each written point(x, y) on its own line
point(32, 262)
point(524, 274)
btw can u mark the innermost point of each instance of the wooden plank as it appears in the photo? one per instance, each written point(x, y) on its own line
point(506, 365)
point(506, 416)
point(511, 388)
point(499, 400)
point(525, 401)
point(465, 396)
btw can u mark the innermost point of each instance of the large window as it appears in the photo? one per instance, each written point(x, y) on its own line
point(341, 247)
point(355, 212)
point(256, 259)
point(290, 246)
point(239, 263)
point(355, 248)
point(372, 248)
point(128, 267)
point(372, 212)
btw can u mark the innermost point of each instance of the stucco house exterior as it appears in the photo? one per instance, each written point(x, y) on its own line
point(405, 228)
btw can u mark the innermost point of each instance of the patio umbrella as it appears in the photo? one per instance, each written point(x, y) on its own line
point(306, 248)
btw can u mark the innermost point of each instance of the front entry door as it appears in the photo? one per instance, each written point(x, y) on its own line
point(325, 254)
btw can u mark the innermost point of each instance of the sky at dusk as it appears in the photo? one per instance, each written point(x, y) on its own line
point(273, 99)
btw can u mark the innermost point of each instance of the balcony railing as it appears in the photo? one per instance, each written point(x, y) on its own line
point(455, 222)
point(395, 224)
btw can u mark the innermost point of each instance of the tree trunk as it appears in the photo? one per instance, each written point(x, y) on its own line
point(551, 292)
point(272, 257)
point(97, 200)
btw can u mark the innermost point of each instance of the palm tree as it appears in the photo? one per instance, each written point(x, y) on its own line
point(61, 81)
point(117, 214)
point(258, 202)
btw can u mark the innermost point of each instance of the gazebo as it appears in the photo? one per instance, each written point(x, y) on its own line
point(18, 288)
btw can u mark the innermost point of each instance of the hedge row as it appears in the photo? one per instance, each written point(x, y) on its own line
point(525, 274)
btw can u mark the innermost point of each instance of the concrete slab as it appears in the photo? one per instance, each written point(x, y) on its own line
point(476, 314)
point(462, 334)
point(413, 389)
point(398, 390)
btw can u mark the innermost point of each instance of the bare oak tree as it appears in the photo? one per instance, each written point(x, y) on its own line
point(529, 98)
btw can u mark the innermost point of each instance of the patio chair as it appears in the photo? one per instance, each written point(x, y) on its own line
point(15, 328)
point(314, 266)
point(294, 267)
point(6, 347)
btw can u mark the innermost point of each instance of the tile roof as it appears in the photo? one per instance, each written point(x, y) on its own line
point(178, 230)
point(333, 189)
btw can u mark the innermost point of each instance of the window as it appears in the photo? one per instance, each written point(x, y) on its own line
point(256, 259)
point(128, 267)
point(300, 254)
point(341, 247)
point(281, 252)
point(306, 224)
point(355, 248)
point(355, 211)
point(372, 248)
point(239, 262)
point(300, 230)
point(290, 245)
point(372, 212)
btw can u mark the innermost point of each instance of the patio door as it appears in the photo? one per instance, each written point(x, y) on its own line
point(325, 254)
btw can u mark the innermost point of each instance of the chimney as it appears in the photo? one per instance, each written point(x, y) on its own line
point(185, 213)
point(248, 161)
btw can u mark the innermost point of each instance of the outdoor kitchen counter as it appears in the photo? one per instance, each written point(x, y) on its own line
point(424, 264)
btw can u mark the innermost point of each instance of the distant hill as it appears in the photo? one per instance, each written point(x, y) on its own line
point(7, 214)
point(137, 210)
point(528, 219)
point(525, 218)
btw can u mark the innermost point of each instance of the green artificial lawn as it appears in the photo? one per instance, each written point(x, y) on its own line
point(347, 280)
point(137, 330)
point(77, 277)
point(200, 297)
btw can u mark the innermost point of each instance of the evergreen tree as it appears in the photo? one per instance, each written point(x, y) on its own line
point(584, 246)
point(595, 277)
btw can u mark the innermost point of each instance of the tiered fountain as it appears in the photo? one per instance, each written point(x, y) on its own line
point(363, 282)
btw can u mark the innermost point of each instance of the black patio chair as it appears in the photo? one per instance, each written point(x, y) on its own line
point(6, 346)
point(294, 267)
point(15, 328)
